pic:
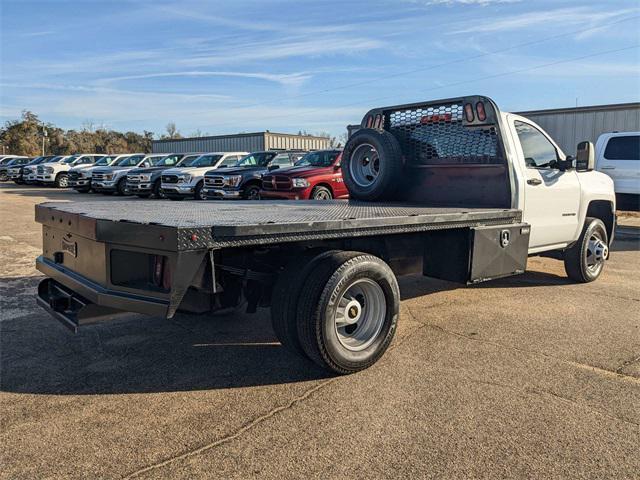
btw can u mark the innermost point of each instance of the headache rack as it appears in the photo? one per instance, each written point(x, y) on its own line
point(454, 131)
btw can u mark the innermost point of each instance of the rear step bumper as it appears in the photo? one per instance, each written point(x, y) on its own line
point(75, 300)
point(69, 308)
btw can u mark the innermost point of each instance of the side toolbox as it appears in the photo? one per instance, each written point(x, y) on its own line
point(477, 254)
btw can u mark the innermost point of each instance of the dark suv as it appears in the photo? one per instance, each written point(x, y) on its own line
point(146, 181)
point(244, 179)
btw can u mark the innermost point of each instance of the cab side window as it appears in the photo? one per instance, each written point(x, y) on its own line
point(538, 151)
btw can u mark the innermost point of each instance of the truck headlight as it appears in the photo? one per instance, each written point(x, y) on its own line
point(232, 180)
point(48, 169)
point(300, 182)
point(145, 177)
point(108, 176)
point(184, 178)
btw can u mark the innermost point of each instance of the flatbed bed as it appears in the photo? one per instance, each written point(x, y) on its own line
point(178, 227)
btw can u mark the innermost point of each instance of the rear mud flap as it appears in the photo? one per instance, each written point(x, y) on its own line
point(69, 308)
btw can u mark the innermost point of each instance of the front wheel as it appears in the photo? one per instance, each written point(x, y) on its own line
point(198, 193)
point(157, 190)
point(252, 193)
point(62, 180)
point(584, 261)
point(121, 188)
point(321, 193)
point(348, 311)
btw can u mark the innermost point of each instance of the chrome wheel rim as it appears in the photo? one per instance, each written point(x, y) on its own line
point(63, 181)
point(360, 314)
point(596, 254)
point(322, 195)
point(364, 166)
point(253, 194)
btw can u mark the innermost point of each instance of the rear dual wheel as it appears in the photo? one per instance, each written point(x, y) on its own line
point(342, 310)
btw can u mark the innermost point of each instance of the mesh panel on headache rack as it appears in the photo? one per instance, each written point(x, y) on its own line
point(435, 135)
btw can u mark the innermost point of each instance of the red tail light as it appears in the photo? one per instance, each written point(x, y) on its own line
point(161, 272)
point(482, 115)
point(468, 112)
point(378, 121)
point(443, 117)
point(369, 121)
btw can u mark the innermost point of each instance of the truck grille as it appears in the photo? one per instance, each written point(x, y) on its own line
point(98, 176)
point(134, 179)
point(214, 181)
point(40, 170)
point(276, 182)
point(436, 135)
point(169, 179)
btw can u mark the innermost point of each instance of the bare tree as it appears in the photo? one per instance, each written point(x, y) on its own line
point(172, 131)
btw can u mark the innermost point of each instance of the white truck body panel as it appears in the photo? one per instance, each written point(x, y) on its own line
point(618, 156)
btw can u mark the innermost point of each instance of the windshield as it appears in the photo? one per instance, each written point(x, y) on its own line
point(54, 159)
point(188, 161)
point(130, 161)
point(256, 159)
point(168, 161)
point(317, 159)
point(105, 161)
point(206, 161)
point(4, 161)
point(70, 159)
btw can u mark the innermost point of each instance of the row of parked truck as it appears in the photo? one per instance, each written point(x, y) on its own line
point(292, 175)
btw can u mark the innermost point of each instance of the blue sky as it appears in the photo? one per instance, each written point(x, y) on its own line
point(248, 65)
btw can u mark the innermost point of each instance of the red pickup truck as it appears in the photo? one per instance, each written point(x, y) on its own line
point(316, 176)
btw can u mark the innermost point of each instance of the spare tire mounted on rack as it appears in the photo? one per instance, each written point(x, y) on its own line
point(372, 165)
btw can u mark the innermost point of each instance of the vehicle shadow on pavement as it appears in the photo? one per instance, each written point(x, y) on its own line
point(140, 354)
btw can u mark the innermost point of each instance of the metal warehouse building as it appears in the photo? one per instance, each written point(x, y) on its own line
point(569, 126)
point(242, 142)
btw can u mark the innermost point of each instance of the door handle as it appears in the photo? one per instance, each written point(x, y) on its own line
point(534, 181)
point(608, 168)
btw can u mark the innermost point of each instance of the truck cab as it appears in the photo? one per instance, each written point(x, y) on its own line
point(9, 162)
point(188, 181)
point(15, 172)
point(244, 179)
point(57, 172)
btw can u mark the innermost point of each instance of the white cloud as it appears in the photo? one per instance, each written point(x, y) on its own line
point(561, 16)
point(290, 79)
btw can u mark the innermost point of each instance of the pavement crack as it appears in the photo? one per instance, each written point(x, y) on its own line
point(556, 396)
point(625, 364)
point(593, 368)
point(228, 438)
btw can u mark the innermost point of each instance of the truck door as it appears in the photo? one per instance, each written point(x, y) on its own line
point(551, 196)
point(619, 158)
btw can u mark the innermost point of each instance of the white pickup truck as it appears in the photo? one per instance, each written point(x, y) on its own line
point(187, 180)
point(56, 172)
point(453, 189)
point(618, 155)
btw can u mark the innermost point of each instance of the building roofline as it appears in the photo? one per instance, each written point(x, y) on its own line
point(238, 135)
point(589, 108)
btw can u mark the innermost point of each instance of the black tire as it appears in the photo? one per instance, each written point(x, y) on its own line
point(175, 197)
point(584, 261)
point(321, 193)
point(157, 190)
point(286, 294)
point(197, 193)
point(252, 192)
point(62, 180)
point(387, 155)
point(324, 288)
point(121, 186)
point(143, 195)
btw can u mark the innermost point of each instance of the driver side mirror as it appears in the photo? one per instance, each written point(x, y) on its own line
point(273, 167)
point(585, 157)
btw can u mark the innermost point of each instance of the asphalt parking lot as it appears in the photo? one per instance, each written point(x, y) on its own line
point(531, 376)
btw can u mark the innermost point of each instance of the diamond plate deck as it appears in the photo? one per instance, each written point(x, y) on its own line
point(226, 223)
